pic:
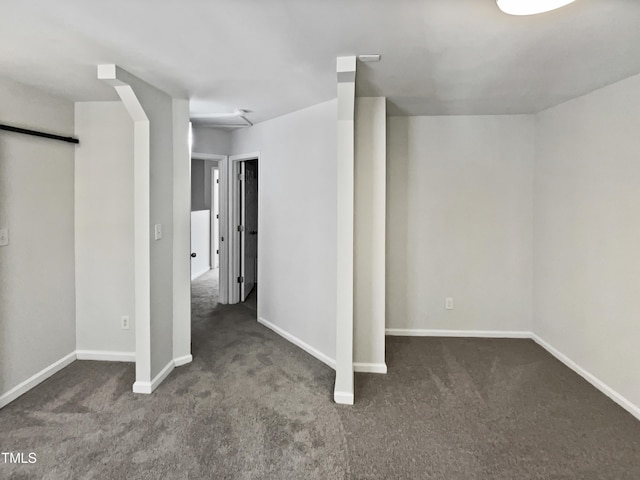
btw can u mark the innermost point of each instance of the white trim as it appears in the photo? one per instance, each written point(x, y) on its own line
point(106, 356)
point(299, 343)
point(149, 387)
point(364, 367)
point(178, 362)
point(207, 156)
point(343, 398)
point(245, 156)
point(36, 379)
point(418, 332)
point(199, 273)
point(589, 377)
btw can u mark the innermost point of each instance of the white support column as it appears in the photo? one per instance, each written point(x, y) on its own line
point(113, 75)
point(181, 233)
point(346, 72)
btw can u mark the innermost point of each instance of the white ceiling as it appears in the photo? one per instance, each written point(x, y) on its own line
point(276, 56)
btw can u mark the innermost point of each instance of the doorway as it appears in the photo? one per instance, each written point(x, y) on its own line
point(209, 265)
point(244, 246)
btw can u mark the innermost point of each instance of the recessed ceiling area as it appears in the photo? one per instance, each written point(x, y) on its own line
point(272, 57)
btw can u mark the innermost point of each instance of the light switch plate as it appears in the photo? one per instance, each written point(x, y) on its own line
point(158, 231)
point(4, 237)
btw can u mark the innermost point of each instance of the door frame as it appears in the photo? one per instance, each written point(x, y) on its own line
point(223, 222)
point(234, 221)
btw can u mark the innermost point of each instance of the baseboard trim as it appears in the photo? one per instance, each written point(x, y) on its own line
point(199, 273)
point(589, 377)
point(363, 367)
point(299, 343)
point(149, 387)
point(106, 356)
point(343, 398)
point(36, 379)
point(417, 332)
point(178, 362)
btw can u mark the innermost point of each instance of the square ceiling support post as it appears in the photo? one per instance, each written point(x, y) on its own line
point(346, 73)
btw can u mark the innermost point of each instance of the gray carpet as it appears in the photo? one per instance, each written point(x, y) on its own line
point(253, 406)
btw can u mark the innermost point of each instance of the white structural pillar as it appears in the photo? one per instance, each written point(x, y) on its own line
point(162, 226)
point(346, 70)
point(182, 233)
point(370, 234)
point(117, 77)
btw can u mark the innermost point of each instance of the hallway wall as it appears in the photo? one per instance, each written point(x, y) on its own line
point(297, 230)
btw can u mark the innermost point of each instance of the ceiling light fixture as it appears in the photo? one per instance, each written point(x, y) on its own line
point(530, 7)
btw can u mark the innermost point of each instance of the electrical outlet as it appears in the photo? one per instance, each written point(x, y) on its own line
point(124, 322)
point(448, 303)
point(4, 237)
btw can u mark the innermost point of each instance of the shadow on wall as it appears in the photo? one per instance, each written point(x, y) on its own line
point(397, 263)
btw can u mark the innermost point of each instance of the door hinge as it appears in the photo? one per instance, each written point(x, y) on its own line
point(241, 228)
point(217, 215)
point(217, 180)
point(240, 279)
point(240, 177)
point(217, 252)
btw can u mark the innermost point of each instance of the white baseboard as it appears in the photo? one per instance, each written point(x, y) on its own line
point(36, 379)
point(343, 398)
point(149, 387)
point(418, 332)
point(589, 377)
point(299, 343)
point(363, 367)
point(197, 274)
point(106, 356)
point(178, 362)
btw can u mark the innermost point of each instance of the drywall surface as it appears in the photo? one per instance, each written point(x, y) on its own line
point(297, 240)
point(369, 230)
point(37, 287)
point(211, 140)
point(459, 211)
point(200, 242)
point(587, 233)
point(104, 232)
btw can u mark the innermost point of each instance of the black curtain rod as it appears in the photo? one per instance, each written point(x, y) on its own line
point(35, 133)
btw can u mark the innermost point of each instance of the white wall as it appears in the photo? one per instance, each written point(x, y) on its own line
point(369, 234)
point(212, 140)
point(104, 227)
point(37, 296)
point(200, 242)
point(459, 222)
point(297, 239)
point(587, 233)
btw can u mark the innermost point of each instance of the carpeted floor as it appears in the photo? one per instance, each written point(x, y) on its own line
point(253, 406)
